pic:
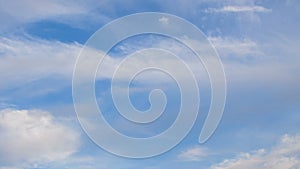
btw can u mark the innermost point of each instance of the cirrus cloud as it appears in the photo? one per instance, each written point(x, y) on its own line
point(193, 154)
point(235, 9)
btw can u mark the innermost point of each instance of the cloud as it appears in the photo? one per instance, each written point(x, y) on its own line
point(163, 20)
point(31, 137)
point(235, 9)
point(31, 10)
point(230, 48)
point(25, 60)
point(29, 60)
point(193, 154)
point(283, 155)
point(15, 13)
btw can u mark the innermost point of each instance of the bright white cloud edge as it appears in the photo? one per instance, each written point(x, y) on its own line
point(284, 155)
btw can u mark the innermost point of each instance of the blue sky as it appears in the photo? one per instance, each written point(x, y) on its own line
point(257, 41)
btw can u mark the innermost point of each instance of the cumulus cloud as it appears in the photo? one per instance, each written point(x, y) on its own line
point(283, 155)
point(31, 137)
point(193, 154)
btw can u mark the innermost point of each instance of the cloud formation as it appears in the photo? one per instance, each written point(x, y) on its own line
point(235, 9)
point(25, 60)
point(283, 155)
point(31, 137)
point(14, 13)
point(193, 154)
point(229, 48)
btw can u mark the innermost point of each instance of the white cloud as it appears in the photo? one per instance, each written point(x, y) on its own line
point(236, 48)
point(245, 62)
point(193, 154)
point(15, 13)
point(283, 155)
point(250, 63)
point(163, 20)
point(25, 60)
point(236, 9)
point(31, 10)
point(31, 137)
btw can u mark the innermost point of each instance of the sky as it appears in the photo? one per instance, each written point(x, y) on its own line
point(256, 40)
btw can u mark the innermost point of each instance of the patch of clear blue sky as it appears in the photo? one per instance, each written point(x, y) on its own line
point(52, 30)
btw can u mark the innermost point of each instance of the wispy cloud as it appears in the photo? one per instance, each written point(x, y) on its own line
point(229, 48)
point(83, 14)
point(15, 13)
point(25, 60)
point(163, 20)
point(236, 9)
point(193, 154)
point(283, 155)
